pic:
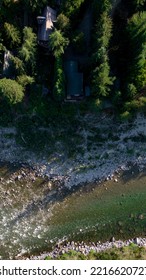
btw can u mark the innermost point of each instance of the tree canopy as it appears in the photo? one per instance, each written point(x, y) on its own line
point(58, 43)
point(107, 39)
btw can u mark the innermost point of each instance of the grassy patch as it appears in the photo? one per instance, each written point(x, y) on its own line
point(131, 252)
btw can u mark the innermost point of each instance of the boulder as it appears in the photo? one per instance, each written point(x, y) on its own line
point(137, 241)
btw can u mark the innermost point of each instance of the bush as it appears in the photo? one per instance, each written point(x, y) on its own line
point(11, 91)
point(125, 116)
point(101, 79)
point(135, 105)
point(25, 80)
point(96, 105)
point(131, 91)
point(63, 22)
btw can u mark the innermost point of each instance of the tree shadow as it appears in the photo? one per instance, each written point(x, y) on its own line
point(8, 169)
point(134, 172)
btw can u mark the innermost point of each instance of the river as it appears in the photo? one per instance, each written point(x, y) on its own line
point(34, 216)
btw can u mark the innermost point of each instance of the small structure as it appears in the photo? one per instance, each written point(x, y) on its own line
point(45, 25)
point(74, 81)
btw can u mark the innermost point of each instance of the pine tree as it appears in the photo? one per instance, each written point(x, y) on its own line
point(59, 80)
point(58, 43)
point(137, 62)
point(139, 4)
point(28, 50)
point(101, 79)
point(13, 34)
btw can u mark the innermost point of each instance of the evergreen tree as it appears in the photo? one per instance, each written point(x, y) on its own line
point(28, 50)
point(101, 79)
point(59, 80)
point(13, 34)
point(71, 7)
point(137, 61)
point(139, 4)
point(101, 6)
point(57, 43)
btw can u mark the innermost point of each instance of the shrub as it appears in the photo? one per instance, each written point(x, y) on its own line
point(131, 91)
point(125, 116)
point(63, 22)
point(95, 105)
point(11, 91)
point(25, 80)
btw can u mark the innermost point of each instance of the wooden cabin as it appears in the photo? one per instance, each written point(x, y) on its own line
point(46, 25)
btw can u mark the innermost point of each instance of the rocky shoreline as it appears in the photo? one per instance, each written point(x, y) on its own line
point(126, 146)
point(85, 249)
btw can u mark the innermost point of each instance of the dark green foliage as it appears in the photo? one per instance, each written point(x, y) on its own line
point(28, 49)
point(33, 6)
point(101, 6)
point(13, 34)
point(71, 7)
point(63, 22)
point(101, 79)
point(58, 43)
point(78, 42)
point(18, 65)
point(10, 91)
point(24, 80)
point(137, 62)
point(116, 48)
point(139, 4)
point(59, 80)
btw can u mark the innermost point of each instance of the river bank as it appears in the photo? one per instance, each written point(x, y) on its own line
point(104, 148)
point(91, 196)
point(85, 249)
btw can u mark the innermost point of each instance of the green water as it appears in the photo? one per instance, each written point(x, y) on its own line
point(111, 209)
point(32, 217)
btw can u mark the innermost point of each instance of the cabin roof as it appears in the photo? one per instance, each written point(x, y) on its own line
point(45, 24)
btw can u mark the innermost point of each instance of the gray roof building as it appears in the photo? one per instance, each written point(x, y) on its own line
point(45, 25)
